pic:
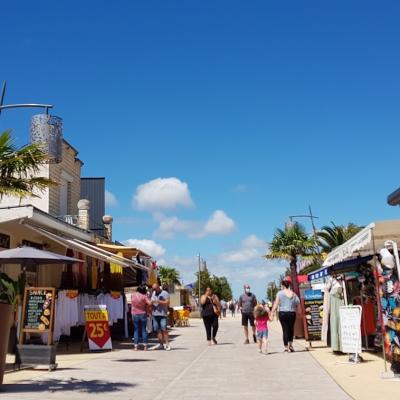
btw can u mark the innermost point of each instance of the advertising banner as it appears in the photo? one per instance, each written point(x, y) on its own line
point(313, 313)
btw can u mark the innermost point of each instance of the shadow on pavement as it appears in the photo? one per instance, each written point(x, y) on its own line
point(70, 385)
point(133, 360)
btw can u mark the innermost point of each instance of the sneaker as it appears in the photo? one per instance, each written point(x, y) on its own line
point(260, 351)
point(157, 347)
point(167, 347)
point(246, 341)
point(254, 338)
point(135, 348)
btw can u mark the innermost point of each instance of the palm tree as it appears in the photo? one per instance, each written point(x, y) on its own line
point(19, 168)
point(169, 275)
point(333, 236)
point(289, 244)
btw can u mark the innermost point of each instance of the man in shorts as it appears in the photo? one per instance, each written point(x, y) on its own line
point(247, 302)
point(160, 303)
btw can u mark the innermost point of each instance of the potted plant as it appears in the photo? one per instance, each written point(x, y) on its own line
point(8, 296)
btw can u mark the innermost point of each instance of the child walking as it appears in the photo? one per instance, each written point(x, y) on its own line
point(261, 315)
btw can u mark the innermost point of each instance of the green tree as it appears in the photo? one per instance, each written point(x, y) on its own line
point(289, 244)
point(205, 281)
point(272, 290)
point(19, 168)
point(221, 287)
point(169, 275)
point(333, 236)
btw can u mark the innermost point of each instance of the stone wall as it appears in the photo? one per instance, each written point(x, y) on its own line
point(68, 172)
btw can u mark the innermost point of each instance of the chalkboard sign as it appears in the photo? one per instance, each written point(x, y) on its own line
point(313, 313)
point(38, 311)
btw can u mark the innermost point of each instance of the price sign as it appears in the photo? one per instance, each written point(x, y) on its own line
point(97, 328)
point(350, 330)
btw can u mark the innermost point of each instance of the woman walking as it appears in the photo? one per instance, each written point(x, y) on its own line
point(210, 312)
point(287, 301)
point(140, 307)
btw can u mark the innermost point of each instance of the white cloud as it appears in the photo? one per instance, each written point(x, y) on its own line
point(150, 247)
point(162, 194)
point(240, 188)
point(169, 226)
point(253, 241)
point(111, 200)
point(251, 248)
point(219, 224)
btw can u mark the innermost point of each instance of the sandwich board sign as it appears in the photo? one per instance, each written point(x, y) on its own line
point(350, 329)
point(97, 327)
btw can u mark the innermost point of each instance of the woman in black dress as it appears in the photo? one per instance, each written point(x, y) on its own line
point(210, 313)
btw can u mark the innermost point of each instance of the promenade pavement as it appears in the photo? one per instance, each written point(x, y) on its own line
point(192, 370)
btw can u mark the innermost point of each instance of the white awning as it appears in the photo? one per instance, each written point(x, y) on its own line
point(366, 242)
point(86, 248)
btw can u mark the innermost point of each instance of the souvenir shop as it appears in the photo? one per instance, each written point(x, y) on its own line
point(364, 271)
point(99, 279)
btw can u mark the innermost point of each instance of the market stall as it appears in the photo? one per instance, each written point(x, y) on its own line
point(355, 274)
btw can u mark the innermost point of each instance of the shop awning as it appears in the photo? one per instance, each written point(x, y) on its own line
point(127, 251)
point(366, 242)
point(86, 248)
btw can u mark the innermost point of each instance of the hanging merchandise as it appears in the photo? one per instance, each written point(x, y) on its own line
point(152, 278)
point(336, 300)
point(390, 304)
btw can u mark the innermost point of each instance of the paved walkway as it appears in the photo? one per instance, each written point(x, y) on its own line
point(191, 370)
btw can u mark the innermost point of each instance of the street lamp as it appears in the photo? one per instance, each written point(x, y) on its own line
point(202, 267)
point(46, 130)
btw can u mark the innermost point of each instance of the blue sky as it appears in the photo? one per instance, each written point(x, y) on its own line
point(232, 116)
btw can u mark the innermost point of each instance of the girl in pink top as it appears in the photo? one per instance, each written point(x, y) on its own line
point(261, 315)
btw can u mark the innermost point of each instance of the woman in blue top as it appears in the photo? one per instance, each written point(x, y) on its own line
point(287, 301)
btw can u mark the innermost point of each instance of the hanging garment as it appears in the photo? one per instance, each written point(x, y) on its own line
point(336, 301)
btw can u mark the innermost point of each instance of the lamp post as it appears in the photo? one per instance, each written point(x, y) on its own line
point(46, 130)
point(199, 258)
point(202, 267)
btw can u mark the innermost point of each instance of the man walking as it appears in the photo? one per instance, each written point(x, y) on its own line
point(247, 302)
point(160, 302)
point(224, 306)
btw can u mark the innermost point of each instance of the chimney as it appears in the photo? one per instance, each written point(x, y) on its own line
point(108, 220)
point(83, 214)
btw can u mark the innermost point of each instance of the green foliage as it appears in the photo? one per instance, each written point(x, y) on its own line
point(169, 275)
point(272, 290)
point(19, 168)
point(8, 289)
point(289, 244)
point(219, 285)
point(333, 236)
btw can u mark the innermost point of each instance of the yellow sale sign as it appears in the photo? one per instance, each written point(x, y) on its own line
point(97, 327)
